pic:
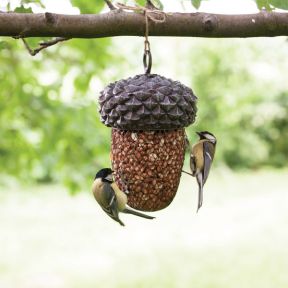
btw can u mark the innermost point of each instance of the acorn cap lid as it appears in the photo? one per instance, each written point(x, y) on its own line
point(147, 102)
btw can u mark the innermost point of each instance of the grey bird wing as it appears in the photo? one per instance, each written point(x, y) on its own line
point(208, 152)
point(111, 207)
point(193, 164)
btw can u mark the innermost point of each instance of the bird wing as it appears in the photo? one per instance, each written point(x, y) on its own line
point(111, 207)
point(193, 164)
point(208, 154)
point(196, 159)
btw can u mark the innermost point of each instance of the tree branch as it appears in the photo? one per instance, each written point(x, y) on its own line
point(122, 23)
point(42, 45)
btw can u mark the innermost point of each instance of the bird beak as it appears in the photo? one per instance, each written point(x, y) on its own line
point(109, 177)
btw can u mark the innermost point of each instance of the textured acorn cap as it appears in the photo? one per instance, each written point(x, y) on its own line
point(147, 102)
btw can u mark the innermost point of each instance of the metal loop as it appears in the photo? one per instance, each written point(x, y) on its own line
point(147, 56)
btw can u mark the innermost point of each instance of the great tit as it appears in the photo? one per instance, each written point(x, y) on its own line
point(201, 157)
point(111, 199)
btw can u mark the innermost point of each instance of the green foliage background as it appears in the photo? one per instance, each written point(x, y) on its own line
point(49, 124)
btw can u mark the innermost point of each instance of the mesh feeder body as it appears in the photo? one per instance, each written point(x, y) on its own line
point(148, 114)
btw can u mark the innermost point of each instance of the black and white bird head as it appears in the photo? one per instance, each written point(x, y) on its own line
point(207, 136)
point(105, 174)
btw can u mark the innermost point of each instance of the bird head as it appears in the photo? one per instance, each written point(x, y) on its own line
point(106, 174)
point(208, 136)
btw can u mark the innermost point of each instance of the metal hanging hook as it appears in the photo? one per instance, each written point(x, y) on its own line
point(147, 67)
point(155, 16)
point(147, 57)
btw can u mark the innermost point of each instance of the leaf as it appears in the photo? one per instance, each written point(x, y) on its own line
point(141, 2)
point(4, 45)
point(263, 4)
point(281, 4)
point(196, 3)
point(22, 9)
point(39, 2)
point(89, 7)
point(158, 4)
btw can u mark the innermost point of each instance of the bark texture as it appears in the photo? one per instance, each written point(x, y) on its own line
point(122, 23)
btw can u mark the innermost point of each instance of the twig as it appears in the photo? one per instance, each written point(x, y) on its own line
point(43, 45)
point(110, 5)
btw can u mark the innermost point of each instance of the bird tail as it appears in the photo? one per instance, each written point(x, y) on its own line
point(113, 213)
point(120, 222)
point(133, 212)
point(200, 190)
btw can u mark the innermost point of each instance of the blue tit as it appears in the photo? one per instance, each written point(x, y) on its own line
point(111, 199)
point(201, 157)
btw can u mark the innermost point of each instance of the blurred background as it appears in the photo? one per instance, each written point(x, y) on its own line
point(53, 234)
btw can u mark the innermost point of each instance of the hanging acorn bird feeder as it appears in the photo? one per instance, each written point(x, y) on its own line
point(148, 114)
